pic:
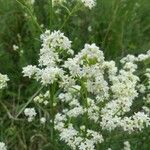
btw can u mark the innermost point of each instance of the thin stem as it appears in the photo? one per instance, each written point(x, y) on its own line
point(85, 102)
point(51, 14)
point(70, 14)
point(52, 107)
point(110, 24)
point(28, 102)
point(32, 16)
point(8, 113)
point(66, 8)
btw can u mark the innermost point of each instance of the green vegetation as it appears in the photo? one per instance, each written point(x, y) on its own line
point(118, 27)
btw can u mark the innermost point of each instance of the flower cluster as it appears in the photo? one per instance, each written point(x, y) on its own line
point(15, 47)
point(87, 3)
point(127, 146)
point(30, 113)
point(43, 120)
point(3, 146)
point(42, 98)
point(54, 45)
point(3, 81)
point(96, 94)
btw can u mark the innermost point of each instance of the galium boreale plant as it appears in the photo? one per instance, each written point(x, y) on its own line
point(87, 94)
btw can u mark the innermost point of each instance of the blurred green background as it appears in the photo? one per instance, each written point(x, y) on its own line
point(118, 27)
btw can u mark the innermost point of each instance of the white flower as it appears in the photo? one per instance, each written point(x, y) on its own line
point(29, 71)
point(43, 120)
point(89, 28)
point(3, 146)
point(3, 81)
point(48, 70)
point(141, 88)
point(91, 90)
point(76, 111)
point(89, 3)
point(143, 57)
point(55, 40)
point(30, 113)
point(15, 47)
point(87, 145)
point(50, 75)
point(126, 146)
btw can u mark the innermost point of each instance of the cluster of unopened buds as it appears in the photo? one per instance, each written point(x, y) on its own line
point(97, 94)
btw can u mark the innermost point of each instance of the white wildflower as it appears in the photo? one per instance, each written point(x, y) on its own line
point(43, 120)
point(30, 113)
point(15, 47)
point(92, 90)
point(89, 3)
point(3, 146)
point(126, 146)
point(50, 75)
point(29, 71)
point(3, 81)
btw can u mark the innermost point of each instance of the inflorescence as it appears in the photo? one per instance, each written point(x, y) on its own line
point(97, 93)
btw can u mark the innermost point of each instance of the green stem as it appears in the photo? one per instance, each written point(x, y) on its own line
point(32, 16)
point(70, 14)
point(85, 103)
point(52, 107)
point(51, 14)
point(29, 101)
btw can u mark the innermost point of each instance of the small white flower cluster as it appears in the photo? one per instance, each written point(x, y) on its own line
point(30, 113)
point(3, 81)
point(76, 138)
point(124, 90)
point(15, 47)
point(127, 146)
point(3, 146)
point(29, 71)
point(54, 45)
point(94, 92)
point(42, 98)
point(42, 120)
point(89, 3)
point(82, 138)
